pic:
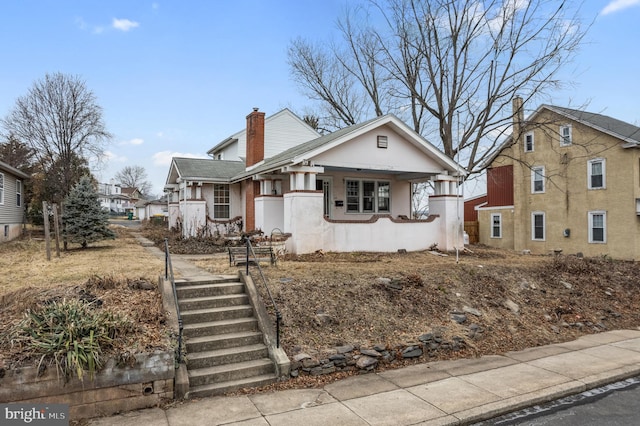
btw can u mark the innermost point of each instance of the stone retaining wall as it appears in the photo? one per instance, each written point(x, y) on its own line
point(114, 389)
point(364, 359)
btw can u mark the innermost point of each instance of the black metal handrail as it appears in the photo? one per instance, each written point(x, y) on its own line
point(168, 274)
point(252, 255)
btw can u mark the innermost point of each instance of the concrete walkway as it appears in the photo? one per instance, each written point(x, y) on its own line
point(456, 392)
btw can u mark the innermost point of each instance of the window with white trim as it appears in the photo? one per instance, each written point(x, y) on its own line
point(367, 196)
point(18, 193)
point(537, 226)
point(537, 179)
point(496, 225)
point(528, 142)
point(598, 227)
point(596, 173)
point(1, 188)
point(565, 135)
point(221, 205)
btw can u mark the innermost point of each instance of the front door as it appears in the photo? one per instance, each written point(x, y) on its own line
point(324, 185)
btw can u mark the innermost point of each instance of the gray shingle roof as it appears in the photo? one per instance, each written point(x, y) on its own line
point(207, 169)
point(607, 124)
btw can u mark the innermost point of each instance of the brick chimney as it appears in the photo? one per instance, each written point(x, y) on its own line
point(518, 116)
point(255, 154)
point(255, 137)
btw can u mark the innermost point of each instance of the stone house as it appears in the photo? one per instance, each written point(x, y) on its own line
point(565, 181)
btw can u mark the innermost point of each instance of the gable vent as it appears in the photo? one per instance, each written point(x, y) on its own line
point(382, 141)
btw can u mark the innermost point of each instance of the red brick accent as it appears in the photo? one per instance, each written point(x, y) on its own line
point(255, 137)
point(374, 218)
point(253, 190)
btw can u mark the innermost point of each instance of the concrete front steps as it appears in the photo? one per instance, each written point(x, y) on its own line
point(225, 347)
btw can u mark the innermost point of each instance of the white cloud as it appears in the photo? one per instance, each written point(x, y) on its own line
point(111, 156)
point(618, 5)
point(163, 158)
point(134, 141)
point(124, 24)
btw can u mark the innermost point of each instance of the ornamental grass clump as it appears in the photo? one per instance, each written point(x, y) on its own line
point(72, 334)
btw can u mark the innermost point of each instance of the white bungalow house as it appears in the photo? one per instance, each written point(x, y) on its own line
point(12, 208)
point(346, 191)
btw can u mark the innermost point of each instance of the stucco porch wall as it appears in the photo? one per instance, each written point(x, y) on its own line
point(450, 209)
point(382, 233)
point(269, 213)
point(194, 216)
point(174, 214)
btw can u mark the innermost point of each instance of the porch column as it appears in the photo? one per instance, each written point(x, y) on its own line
point(449, 207)
point(303, 178)
point(266, 187)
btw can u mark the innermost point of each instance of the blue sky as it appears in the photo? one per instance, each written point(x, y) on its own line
point(176, 77)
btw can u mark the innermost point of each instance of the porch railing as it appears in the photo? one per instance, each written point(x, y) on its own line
point(252, 258)
point(168, 275)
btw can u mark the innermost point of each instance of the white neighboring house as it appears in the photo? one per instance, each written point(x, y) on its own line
point(145, 210)
point(12, 208)
point(346, 191)
point(113, 199)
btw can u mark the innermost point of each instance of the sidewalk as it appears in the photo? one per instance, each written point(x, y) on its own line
point(456, 392)
point(438, 393)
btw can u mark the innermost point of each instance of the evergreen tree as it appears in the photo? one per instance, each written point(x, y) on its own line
point(83, 218)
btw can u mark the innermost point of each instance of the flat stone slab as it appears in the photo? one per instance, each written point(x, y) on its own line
point(575, 365)
point(461, 367)
point(415, 375)
point(359, 386)
point(289, 400)
point(259, 421)
point(453, 395)
point(633, 345)
point(211, 411)
point(394, 408)
point(616, 354)
point(515, 380)
point(535, 353)
point(322, 415)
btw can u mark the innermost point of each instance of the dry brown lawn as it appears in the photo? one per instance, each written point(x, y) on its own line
point(24, 262)
point(109, 271)
point(330, 299)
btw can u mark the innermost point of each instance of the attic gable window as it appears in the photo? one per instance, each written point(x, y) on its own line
point(565, 135)
point(1, 188)
point(382, 142)
point(528, 142)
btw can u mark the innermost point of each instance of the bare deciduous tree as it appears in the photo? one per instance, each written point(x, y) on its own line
point(134, 177)
point(451, 68)
point(61, 121)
